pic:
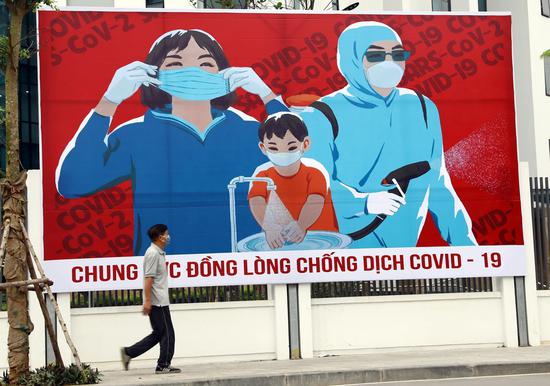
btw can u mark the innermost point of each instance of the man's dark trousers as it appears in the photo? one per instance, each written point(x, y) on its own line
point(163, 332)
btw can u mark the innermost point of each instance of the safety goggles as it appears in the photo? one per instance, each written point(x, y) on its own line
point(380, 56)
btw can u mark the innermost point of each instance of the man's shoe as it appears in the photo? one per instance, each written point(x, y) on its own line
point(167, 370)
point(125, 358)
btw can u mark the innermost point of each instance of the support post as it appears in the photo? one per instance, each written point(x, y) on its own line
point(52, 299)
point(44, 308)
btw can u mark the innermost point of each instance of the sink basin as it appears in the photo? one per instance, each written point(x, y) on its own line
point(313, 240)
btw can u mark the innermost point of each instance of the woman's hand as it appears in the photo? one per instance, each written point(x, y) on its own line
point(128, 79)
point(247, 79)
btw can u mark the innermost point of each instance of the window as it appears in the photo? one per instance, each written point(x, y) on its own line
point(547, 74)
point(545, 7)
point(28, 98)
point(28, 101)
point(482, 5)
point(154, 3)
point(441, 5)
point(235, 4)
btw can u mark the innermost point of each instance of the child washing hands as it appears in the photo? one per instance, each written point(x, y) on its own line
point(301, 185)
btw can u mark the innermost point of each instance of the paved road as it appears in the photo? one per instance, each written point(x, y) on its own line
point(507, 380)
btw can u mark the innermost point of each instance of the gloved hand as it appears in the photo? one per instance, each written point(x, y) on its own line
point(294, 233)
point(384, 203)
point(274, 238)
point(247, 79)
point(128, 79)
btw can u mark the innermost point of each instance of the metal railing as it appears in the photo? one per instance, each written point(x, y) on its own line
point(177, 296)
point(259, 292)
point(400, 287)
point(540, 209)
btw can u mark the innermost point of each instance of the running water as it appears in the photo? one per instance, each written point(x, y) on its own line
point(277, 215)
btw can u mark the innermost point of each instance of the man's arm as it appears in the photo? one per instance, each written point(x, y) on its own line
point(448, 212)
point(150, 266)
point(147, 286)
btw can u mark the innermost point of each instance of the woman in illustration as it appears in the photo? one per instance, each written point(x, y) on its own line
point(382, 146)
point(182, 153)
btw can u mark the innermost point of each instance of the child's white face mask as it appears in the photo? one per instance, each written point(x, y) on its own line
point(284, 159)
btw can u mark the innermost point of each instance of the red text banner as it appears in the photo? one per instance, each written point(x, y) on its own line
point(306, 267)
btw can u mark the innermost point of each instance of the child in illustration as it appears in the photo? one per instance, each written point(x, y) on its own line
point(182, 153)
point(302, 193)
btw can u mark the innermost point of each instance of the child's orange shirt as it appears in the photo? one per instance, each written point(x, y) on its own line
point(294, 191)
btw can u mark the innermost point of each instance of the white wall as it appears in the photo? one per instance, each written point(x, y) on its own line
point(204, 333)
point(88, 3)
point(183, 4)
point(530, 38)
point(539, 28)
point(3, 340)
point(360, 325)
point(464, 5)
point(544, 316)
point(129, 3)
point(253, 331)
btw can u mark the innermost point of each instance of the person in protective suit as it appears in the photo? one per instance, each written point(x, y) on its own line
point(371, 128)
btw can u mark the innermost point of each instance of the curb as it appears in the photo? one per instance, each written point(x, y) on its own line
point(319, 378)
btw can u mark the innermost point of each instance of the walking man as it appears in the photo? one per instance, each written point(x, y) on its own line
point(155, 290)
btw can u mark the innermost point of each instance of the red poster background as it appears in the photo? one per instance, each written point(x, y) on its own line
point(462, 63)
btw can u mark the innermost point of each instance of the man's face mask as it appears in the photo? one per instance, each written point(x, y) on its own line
point(193, 84)
point(385, 74)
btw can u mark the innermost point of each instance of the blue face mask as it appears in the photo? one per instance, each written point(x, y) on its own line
point(193, 84)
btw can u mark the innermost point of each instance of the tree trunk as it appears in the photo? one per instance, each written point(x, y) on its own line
point(13, 196)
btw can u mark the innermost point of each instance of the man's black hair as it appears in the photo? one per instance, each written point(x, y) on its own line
point(279, 124)
point(156, 231)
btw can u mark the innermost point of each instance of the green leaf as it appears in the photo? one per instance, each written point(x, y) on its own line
point(545, 53)
point(51, 375)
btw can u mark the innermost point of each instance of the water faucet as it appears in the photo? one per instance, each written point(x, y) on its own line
point(232, 210)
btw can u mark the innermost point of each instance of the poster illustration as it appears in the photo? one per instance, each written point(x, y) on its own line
point(319, 147)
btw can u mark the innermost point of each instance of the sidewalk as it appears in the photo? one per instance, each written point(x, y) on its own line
point(339, 370)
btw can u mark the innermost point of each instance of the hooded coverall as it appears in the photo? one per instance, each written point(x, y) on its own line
point(378, 135)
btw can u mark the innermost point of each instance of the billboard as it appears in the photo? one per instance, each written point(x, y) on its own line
point(298, 147)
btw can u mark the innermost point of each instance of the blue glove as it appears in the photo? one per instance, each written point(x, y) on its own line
point(247, 79)
point(128, 79)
